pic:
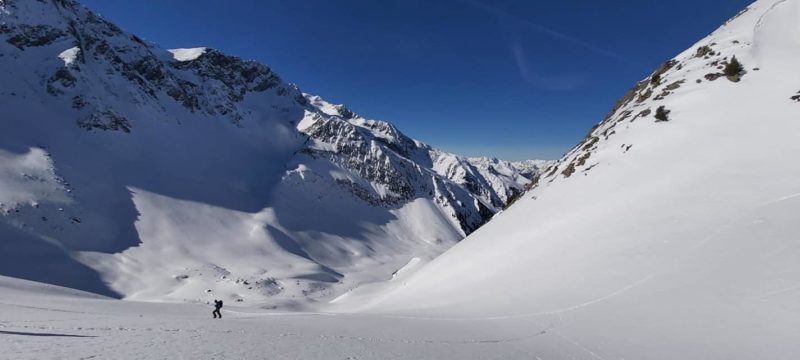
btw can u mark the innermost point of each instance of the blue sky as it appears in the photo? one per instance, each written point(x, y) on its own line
point(512, 79)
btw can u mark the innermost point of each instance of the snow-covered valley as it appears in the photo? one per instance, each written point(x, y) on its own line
point(672, 231)
point(41, 322)
point(188, 174)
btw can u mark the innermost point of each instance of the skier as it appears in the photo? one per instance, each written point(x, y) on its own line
point(217, 306)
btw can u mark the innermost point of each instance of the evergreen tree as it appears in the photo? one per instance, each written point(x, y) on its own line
point(734, 69)
point(662, 114)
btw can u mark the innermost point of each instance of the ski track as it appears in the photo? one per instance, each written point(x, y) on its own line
point(533, 314)
point(779, 292)
point(740, 218)
point(760, 21)
point(44, 308)
point(781, 199)
point(579, 346)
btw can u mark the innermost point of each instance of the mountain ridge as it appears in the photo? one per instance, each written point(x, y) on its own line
point(129, 149)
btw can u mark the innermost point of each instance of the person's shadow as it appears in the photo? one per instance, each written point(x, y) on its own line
point(42, 334)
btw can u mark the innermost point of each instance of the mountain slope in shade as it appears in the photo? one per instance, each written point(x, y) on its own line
point(657, 237)
point(190, 174)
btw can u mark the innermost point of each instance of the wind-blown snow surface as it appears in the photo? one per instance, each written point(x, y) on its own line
point(132, 171)
point(47, 322)
point(677, 239)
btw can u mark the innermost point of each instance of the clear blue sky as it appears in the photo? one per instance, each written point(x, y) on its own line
point(513, 79)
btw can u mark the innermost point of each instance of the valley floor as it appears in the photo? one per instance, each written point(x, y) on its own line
point(44, 322)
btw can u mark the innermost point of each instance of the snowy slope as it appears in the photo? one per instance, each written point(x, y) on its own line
point(653, 239)
point(188, 174)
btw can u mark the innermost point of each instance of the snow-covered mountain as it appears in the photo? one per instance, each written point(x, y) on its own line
point(495, 181)
point(189, 174)
point(672, 231)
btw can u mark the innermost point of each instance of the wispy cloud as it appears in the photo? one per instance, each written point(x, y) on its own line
point(550, 82)
point(504, 15)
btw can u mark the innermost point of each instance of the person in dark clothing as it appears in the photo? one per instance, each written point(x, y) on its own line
point(217, 306)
